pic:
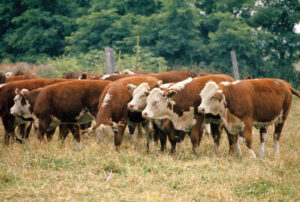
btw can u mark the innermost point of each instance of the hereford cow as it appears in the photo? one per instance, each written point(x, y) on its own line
point(166, 77)
point(179, 102)
point(113, 113)
point(162, 127)
point(7, 94)
point(247, 103)
point(69, 102)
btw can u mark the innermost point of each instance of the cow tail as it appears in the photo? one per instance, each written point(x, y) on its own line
point(294, 91)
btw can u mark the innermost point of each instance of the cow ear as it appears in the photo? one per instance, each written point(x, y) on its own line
point(158, 83)
point(131, 87)
point(218, 96)
point(18, 92)
point(171, 93)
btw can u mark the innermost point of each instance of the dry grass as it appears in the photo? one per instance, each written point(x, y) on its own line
point(58, 172)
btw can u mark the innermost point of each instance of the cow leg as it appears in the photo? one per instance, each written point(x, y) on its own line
point(49, 134)
point(9, 129)
point(63, 132)
point(75, 130)
point(216, 131)
point(139, 127)
point(234, 144)
point(28, 129)
point(148, 126)
point(43, 125)
point(277, 134)
point(119, 136)
point(169, 128)
point(196, 135)
point(263, 137)
point(131, 131)
point(83, 127)
point(158, 133)
point(248, 138)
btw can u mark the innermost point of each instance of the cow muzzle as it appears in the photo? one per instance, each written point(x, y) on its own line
point(201, 110)
point(130, 106)
point(144, 114)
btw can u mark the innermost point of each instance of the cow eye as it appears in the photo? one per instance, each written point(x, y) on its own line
point(213, 97)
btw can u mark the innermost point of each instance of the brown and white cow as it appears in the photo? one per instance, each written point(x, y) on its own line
point(179, 102)
point(90, 76)
point(162, 128)
point(7, 94)
point(68, 103)
point(113, 115)
point(166, 77)
point(247, 103)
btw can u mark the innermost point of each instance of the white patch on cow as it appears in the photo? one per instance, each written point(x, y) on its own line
point(262, 145)
point(105, 77)
point(207, 129)
point(138, 102)
point(209, 103)
point(166, 86)
point(228, 83)
point(127, 71)
point(1, 85)
point(233, 124)
point(251, 154)
point(238, 150)
point(35, 121)
point(276, 148)
point(106, 99)
point(20, 110)
point(157, 109)
point(180, 85)
point(8, 74)
point(104, 130)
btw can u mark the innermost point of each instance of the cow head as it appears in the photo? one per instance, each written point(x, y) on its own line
point(157, 105)
point(8, 74)
point(21, 106)
point(139, 95)
point(212, 99)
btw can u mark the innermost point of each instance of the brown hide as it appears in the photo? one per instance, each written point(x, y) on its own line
point(260, 100)
point(7, 94)
point(90, 76)
point(189, 95)
point(66, 100)
point(166, 77)
point(116, 108)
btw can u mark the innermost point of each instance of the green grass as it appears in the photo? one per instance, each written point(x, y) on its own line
point(52, 171)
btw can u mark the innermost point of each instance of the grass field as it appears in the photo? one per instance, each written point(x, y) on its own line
point(54, 172)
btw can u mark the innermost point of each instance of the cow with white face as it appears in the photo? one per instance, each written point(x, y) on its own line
point(247, 103)
point(21, 106)
point(178, 103)
point(139, 96)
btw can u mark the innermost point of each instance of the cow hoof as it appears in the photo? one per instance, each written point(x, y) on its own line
point(251, 154)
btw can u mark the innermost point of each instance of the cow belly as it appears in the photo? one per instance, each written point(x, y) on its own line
point(278, 119)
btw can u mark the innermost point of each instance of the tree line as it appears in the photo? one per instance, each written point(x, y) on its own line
point(179, 33)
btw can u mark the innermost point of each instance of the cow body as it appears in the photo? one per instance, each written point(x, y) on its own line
point(113, 107)
point(68, 102)
point(7, 94)
point(178, 102)
point(243, 104)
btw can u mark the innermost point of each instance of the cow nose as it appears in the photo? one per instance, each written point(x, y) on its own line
point(201, 110)
point(144, 114)
point(130, 106)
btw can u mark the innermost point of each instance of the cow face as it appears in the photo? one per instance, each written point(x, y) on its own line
point(156, 107)
point(21, 106)
point(212, 100)
point(139, 96)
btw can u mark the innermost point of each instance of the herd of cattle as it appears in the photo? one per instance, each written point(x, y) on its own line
point(167, 105)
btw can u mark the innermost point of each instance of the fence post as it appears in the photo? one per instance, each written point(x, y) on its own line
point(234, 65)
point(109, 60)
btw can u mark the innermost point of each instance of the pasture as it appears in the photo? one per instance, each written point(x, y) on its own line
point(52, 171)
